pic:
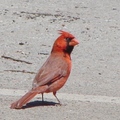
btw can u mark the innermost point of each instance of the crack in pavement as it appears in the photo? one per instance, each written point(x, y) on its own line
point(66, 96)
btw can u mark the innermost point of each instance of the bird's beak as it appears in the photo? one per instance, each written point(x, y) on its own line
point(73, 42)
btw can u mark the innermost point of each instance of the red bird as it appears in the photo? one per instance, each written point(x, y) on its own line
point(54, 72)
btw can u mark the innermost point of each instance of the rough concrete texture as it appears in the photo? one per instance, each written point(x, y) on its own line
point(28, 30)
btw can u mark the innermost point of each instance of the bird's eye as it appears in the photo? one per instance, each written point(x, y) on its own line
point(68, 39)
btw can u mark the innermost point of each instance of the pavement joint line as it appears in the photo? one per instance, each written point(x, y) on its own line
point(65, 96)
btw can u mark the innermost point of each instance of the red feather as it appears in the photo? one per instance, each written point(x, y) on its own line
point(54, 72)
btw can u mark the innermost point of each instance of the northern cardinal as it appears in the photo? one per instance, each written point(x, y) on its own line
point(54, 72)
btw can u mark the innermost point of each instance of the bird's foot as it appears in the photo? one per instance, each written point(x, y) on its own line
point(58, 104)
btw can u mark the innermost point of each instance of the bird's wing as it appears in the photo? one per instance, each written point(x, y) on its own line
point(53, 69)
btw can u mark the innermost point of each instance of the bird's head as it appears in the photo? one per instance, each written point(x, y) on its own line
point(64, 43)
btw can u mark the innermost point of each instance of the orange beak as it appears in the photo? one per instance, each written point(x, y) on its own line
point(73, 42)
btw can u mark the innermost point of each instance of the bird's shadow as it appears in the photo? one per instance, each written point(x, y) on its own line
point(39, 103)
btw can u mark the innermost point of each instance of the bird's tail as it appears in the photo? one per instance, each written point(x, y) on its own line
point(27, 97)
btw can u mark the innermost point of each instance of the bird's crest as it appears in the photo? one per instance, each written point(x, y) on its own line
point(66, 34)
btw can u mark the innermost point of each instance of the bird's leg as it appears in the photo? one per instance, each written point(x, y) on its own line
point(42, 98)
point(54, 93)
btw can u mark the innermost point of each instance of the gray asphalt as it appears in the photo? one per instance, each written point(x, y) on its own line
point(28, 30)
